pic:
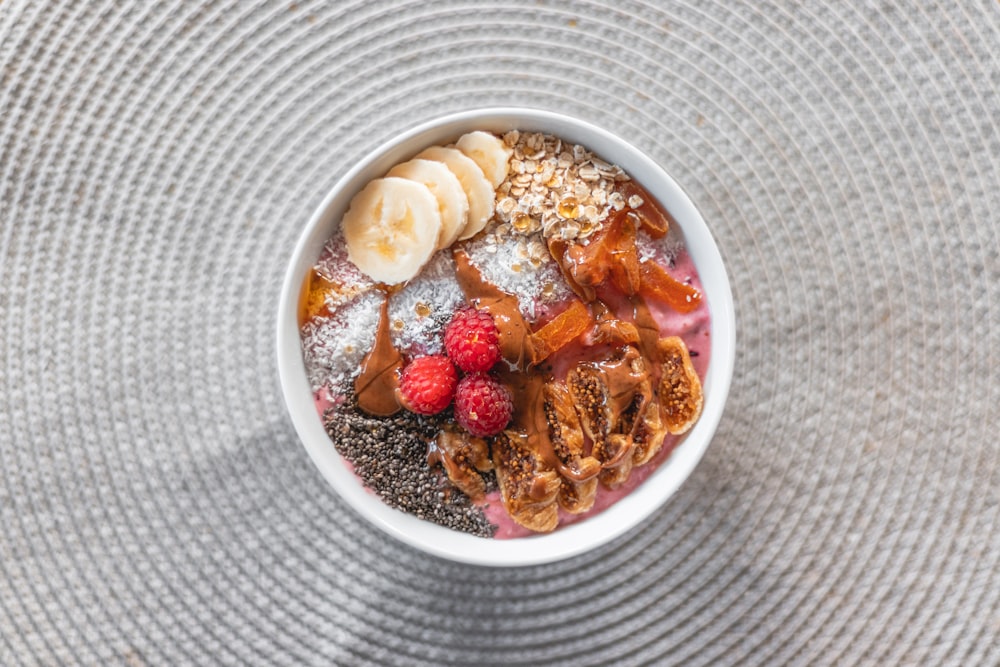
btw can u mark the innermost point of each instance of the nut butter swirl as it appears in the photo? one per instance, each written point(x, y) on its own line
point(377, 385)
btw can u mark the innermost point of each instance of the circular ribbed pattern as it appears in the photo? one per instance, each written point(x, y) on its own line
point(159, 161)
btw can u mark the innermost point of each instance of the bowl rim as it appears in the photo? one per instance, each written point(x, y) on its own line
point(576, 538)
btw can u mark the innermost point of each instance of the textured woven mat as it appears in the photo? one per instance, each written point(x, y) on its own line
point(157, 162)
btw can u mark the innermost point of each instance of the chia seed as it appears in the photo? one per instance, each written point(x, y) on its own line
point(389, 455)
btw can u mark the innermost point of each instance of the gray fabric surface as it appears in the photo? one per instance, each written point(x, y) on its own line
point(159, 160)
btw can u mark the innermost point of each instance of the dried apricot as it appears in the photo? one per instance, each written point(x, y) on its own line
point(623, 256)
point(656, 283)
point(609, 329)
point(610, 253)
point(588, 263)
point(652, 217)
point(559, 249)
point(560, 331)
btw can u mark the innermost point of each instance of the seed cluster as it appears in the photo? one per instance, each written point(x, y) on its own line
point(516, 463)
point(559, 445)
point(389, 454)
point(591, 396)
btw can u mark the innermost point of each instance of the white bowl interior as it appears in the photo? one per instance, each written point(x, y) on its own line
point(578, 537)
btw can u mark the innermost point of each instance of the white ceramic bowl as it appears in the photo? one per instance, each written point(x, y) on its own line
point(576, 538)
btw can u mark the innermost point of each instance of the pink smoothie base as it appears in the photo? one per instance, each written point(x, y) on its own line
point(694, 328)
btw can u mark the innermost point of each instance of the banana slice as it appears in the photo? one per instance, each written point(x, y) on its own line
point(478, 190)
point(391, 229)
point(445, 186)
point(489, 152)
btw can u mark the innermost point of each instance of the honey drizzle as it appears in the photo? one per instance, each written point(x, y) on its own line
point(312, 297)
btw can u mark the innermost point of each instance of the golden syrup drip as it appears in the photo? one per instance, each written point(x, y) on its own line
point(569, 208)
point(312, 298)
point(522, 222)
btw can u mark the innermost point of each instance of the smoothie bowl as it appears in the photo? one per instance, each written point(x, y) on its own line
point(506, 337)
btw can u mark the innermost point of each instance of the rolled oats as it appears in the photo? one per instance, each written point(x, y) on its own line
point(553, 189)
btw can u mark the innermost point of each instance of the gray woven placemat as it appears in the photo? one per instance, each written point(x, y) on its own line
point(157, 162)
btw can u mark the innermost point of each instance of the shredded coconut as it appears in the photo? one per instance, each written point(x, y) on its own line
point(519, 265)
point(333, 347)
point(419, 312)
point(340, 272)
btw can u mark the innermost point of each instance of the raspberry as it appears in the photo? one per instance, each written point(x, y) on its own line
point(483, 406)
point(472, 341)
point(427, 384)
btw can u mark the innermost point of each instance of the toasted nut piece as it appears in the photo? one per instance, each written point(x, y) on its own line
point(528, 490)
point(680, 388)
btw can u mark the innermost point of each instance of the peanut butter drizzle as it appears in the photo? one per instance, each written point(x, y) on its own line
point(529, 423)
point(378, 382)
point(649, 332)
point(625, 376)
point(515, 334)
point(528, 420)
